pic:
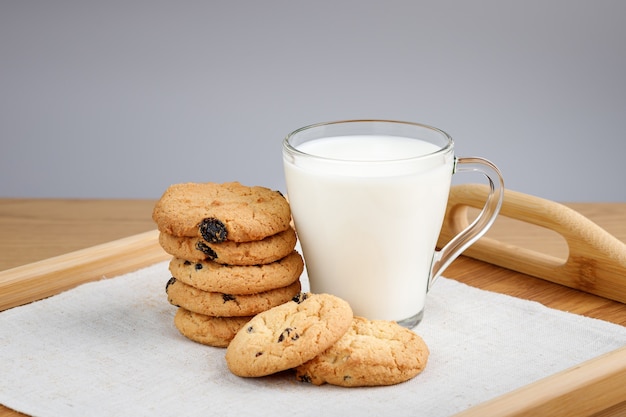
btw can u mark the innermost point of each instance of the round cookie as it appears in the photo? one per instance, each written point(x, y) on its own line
point(227, 305)
point(219, 212)
point(207, 330)
point(235, 279)
point(264, 251)
point(370, 353)
point(288, 335)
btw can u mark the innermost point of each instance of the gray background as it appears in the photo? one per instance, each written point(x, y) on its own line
point(119, 99)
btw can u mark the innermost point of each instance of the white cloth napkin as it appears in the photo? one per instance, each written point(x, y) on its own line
point(109, 348)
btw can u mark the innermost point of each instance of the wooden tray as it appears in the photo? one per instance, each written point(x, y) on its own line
point(590, 387)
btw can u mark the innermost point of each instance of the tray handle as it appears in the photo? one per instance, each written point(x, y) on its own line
point(596, 262)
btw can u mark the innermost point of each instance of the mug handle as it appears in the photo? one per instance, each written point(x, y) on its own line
point(444, 257)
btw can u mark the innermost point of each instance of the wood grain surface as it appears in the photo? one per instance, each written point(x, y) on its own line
point(32, 230)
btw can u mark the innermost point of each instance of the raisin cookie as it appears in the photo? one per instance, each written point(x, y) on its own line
point(207, 330)
point(288, 335)
point(219, 212)
point(227, 305)
point(264, 251)
point(370, 353)
point(235, 279)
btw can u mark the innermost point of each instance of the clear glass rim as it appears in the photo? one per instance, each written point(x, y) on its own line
point(291, 149)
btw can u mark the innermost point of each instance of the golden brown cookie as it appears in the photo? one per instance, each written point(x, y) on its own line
point(236, 279)
point(211, 331)
point(219, 212)
point(370, 353)
point(227, 305)
point(264, 251)
point(288, 335)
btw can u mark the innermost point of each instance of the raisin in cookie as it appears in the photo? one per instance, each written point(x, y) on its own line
point(227, 305)
point(235, 279)
point(219, 212)
point(264, 251)
point(370, 353)
point(288, 335)
point(207, 330)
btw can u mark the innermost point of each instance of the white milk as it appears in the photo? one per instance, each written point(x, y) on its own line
point(368, 231)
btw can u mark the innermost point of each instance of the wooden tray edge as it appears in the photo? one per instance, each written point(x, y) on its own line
point(37, 280)
point(582, 390)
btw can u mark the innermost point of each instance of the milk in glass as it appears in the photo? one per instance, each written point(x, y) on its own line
point(368, 214)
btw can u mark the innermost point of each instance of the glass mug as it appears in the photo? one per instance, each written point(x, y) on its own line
point(368, 199)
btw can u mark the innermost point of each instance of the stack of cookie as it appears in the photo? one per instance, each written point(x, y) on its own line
point(233, 256)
